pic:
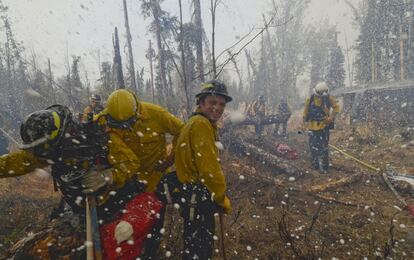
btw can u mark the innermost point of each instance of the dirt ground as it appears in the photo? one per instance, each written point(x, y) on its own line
point(348, 213)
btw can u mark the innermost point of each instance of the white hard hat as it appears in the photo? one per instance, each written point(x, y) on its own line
point(321, 89)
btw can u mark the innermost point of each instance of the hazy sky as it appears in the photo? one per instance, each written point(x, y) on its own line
point(53, 28)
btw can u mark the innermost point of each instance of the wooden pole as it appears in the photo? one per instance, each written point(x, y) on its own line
point(89, 238)
point(223, 248)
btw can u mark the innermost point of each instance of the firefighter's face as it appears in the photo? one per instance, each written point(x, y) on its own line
point(94, 103)
point(213, 107)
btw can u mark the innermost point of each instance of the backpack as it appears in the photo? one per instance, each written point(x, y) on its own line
point(317, 113)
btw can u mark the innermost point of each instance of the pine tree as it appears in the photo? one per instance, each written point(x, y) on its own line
point(335, 77)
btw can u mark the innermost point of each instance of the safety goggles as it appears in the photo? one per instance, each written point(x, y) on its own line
point(127, 124)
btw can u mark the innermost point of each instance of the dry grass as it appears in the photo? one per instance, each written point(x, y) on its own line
point(25, 205)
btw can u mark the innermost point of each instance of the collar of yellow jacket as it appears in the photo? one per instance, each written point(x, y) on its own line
point(142, 112)
point(198, 112)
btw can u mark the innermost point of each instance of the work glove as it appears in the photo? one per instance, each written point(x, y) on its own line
point(94, 180)
point(303, 128)
point(328, 120)
point(226, 205)
point(162, 166)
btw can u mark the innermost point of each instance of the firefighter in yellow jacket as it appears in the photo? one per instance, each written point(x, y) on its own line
point(143, 128)
point(94, 107)
point(198, 169)
point(84, 159)
point(318, 118)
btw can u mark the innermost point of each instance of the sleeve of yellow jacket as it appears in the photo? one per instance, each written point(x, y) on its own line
point(19, 163)
point(207, 161)
point(306, 109)
point(124, 162)
point(85, 113)
point(171, 125)
point(334, 104)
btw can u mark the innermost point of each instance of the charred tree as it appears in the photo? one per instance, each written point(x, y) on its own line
point(150, 55)
point(50, 81)
point(119, 76)
point(183, 67)
point(199, 39)
point(153, 9)
point(213, 6)
point(131, 68)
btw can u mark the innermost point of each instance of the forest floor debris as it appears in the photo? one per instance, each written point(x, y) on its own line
point(347, 213)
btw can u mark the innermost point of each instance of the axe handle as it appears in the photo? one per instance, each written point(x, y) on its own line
point(89, 238)
point(223, 248)
point(95, 228)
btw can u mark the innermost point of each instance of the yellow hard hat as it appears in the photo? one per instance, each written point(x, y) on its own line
point(122, 105)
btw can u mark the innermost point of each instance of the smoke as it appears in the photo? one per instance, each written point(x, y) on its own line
point(236, 117)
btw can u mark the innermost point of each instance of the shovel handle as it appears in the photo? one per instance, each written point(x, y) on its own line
point(223, 249)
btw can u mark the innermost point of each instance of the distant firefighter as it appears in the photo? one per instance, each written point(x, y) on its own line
point(284, 113)
point(94, 107)
point(318, 117)
point(258, 109)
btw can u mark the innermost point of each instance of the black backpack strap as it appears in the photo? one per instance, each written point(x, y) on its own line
point(326, 101)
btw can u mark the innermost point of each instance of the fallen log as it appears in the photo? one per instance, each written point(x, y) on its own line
point(254, 120)
point(238, 146)
point(336, 184)
point(307, 192)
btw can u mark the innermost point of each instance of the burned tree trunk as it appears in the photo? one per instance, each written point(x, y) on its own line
point(131, 57)
point(150, 55)
point(199, 39)
point(119, 76)
point(236, 67)
point(238, 146)
point(183, 63)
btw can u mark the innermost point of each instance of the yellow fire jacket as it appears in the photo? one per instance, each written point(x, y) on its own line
point(197, 158)
point(123, 161)
point(147, 140)
point(314, 125)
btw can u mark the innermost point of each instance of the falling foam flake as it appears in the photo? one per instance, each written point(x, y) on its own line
point(75, 141)
point(33, 93)
point(219, 145)
point(41, 173)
